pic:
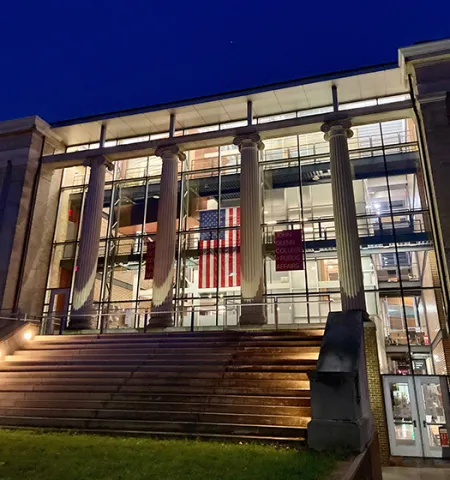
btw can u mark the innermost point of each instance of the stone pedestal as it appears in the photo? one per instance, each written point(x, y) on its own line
point(251, 258)
point(166, 236)
point(340, 406)
point(344, 211)
point(83, 315)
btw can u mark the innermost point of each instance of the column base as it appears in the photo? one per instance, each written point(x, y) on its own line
point(83, 321)
point(324, 434)
point(160, 320)
point(252, 315)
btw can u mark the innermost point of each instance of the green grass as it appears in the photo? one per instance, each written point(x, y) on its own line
point(29, 455)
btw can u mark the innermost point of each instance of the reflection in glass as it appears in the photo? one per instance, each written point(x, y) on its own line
point(434, 411)
point(402, 414)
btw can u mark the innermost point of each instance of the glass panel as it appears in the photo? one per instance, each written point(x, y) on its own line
point(394, 98)
point(193, 131)
point(276, 118)
point(69, 215)
point(135, 168)
point(229, 156)
point(402, 414)
point(127, 141)
point(314, 111)
point(74, 176)
point(239, 123)
point(159, 136)
point(360, 104)
point(434, 411)
point(77, 148)
point(439, 359)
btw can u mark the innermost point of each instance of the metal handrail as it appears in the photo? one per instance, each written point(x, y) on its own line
point(51, 322)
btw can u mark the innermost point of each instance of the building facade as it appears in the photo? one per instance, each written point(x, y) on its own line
point(167, 216)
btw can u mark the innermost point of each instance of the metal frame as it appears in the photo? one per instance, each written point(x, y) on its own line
point(179, 298)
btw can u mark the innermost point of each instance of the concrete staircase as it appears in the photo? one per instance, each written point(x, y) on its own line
point(240, 385)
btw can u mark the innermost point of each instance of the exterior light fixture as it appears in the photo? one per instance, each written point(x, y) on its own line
point(28, 335)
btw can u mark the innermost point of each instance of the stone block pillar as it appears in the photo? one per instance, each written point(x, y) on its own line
point(251, 257)
point(166, 237)
point(22, 144)
point(426, 69)
point(38, 255)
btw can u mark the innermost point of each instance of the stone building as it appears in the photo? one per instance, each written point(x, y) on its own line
point(199, 190)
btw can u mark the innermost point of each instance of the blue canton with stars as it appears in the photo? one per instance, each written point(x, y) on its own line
point(208, 219)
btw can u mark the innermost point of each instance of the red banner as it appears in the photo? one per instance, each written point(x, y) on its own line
point(443, 435)
point(150, 260)
point(288, 250)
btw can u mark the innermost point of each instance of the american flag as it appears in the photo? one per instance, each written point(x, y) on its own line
point(227, 247)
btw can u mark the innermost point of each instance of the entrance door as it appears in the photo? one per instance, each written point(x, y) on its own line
point(433, 400)
point(402, 416)
point(54, 312)
point(417, 409)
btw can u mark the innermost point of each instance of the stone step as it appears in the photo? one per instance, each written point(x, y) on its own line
point(159, 416)
point(150, 381)
point(159, 367)
point(71, 404)
point(155, 373)
point(232, 384)
point(235, 349)
point(15, 361)
point(152, 357)
point(181, 340)
point(172, 336)
point(145, 346)
point(300, 390)
point(33, 345)
point(297, 442)
point(165, 398)
point(150, 427)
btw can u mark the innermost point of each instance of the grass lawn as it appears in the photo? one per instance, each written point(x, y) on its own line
point(28, 455)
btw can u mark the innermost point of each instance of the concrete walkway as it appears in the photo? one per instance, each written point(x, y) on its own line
point(412, 473)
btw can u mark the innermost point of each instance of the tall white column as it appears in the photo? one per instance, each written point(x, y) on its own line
point(347, 239)
point(83, 315)
point(166, 236)
point(251, 257)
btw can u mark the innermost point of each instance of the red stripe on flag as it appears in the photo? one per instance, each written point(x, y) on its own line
point(222, 264)
point(215, 243)
point(208, 263)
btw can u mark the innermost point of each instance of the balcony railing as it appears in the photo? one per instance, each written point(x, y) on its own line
point(312, 153)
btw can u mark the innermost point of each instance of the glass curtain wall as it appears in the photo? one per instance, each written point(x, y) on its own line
point(403, 292)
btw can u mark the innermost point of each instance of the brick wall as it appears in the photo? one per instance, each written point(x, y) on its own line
point(376, 390)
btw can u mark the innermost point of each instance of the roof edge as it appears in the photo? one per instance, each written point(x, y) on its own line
point(221, 96)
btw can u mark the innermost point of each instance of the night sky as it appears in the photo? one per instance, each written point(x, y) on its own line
point(62, 59)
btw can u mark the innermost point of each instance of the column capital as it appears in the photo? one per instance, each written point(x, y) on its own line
point(98, 160)
point(249, 140)
point(336, 127)
point(169, 151)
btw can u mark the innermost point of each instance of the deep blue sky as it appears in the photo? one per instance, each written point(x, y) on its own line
point(62, 59)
